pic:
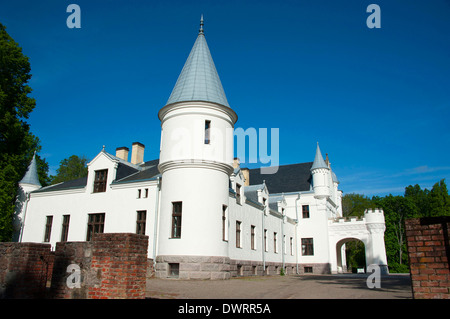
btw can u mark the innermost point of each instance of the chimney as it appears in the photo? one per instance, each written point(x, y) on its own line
point(137, 153)
point(236, 162)
point(246, 173)
point(122, 153)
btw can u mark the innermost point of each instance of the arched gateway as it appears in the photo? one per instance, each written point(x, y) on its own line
point(370, 230)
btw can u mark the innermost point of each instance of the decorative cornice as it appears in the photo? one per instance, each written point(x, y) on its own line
point(194, 163)
point(228, 113)
point(376, 228)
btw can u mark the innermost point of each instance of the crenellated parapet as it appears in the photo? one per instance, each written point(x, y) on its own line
point(375, 222)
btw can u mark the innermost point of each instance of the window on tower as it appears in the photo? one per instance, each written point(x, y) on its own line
point(176, 219)
point(207, 132)
point(224, 223)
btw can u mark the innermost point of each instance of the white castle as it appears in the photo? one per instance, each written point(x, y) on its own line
point(206, 217)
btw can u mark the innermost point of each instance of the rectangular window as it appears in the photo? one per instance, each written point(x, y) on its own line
point(275, 249)
point(307, 247)
point(146, 193)
point(308, 270)
point(176, 219)
point(48, 228)
point(141, 221)
point(224, 223)
point(266, 247)
point(65, 227)
point(139, 193)
point(96, 225)
point(238, 193)
point(100, 181)
point(238, 234)
point(291, 245)
point(305, 210)
point(252, 237)
point(207, 132)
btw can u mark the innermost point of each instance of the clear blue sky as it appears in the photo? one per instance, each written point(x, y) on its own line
point(377, 100)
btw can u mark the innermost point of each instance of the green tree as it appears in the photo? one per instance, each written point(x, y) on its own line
point(396, 210)
point(355, 204)
point(17, 143)
point(420, 197)
point(439, 200)
point(71, 168)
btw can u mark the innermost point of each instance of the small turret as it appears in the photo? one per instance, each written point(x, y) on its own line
point(376, 226)
point(320, 172)
point(30, 182)
point(374, 216)
point(31, 176)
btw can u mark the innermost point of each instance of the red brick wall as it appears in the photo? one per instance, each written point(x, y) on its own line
point(429, 250)
point(120, 260)
point(111, 266)
point(23, 270)
point(67, 253)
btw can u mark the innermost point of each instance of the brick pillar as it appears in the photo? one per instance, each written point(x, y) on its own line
point(429, 250)
point(23, 270)
point(120, 260)
point(72, 253)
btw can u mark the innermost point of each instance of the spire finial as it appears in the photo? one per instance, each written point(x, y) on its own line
point(201, 25)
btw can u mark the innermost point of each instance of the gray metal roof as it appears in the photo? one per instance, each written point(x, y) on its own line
point(273, 202)
point(126, 173)
point(334, 177)
point(251, 191)
point(318, 160)
point(199, 80)
point(31, 176)
point(288, 178)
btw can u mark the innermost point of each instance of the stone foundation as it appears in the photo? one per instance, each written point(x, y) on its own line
point(220, 268)
point(244, 268)
point(193, 267)
point(316, 269)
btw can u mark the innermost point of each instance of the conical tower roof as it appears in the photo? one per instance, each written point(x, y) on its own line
point(318, 160)
point(31, 176)
point(199, 80)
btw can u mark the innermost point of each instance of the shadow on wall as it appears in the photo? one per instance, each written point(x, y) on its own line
point(24, 270)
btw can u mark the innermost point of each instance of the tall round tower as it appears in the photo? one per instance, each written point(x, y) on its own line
point(195, 162)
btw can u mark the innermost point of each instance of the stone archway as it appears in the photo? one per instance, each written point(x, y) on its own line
point(341, 232)
point(369, 229)
point(341, 254)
